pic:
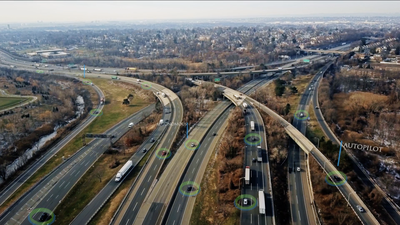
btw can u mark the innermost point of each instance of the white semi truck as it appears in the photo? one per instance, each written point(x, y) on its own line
point(123, 170)
point(247, 175)
point(261, 201)
point(252, 125)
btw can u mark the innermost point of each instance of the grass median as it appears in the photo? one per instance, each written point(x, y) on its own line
point(9, 102)
point(113, 112)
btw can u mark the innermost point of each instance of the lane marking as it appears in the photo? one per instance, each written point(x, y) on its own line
point(77, 173)
point(127, 222)
point(178, 208)
point(134, 207)
point(86, 163)
point(49, 198)
point(142, 191)
point(149, 179)
point(62, 184)
point(66, 185)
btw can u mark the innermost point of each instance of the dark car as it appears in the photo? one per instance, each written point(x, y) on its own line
point(337, 178)
point(163, 153)
point(254, 159)
point(152, 140)
point(214, 134)
point(144, 150)
point(44, 217)
point(190, 188)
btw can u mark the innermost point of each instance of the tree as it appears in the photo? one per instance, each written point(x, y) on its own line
point(294, 40)
point(287, 109)
point(397, 52)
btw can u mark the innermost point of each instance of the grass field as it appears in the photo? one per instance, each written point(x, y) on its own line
point(8, 102)
point(113, 112)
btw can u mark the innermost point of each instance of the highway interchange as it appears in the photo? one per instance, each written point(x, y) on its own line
point(49, 192)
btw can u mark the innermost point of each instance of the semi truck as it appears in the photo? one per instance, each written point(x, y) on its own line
point(261, 201)
point(123, 170)
point(252, 125)
point(134, 69)
point(259, 154)
point(247, 175)
point(84, 69)
point(98, 70)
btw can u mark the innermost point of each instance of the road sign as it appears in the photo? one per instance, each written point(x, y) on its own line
point(306, 60)
point(217, 79)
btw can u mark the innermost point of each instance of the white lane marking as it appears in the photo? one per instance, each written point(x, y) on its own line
point(297, 199)
point(56, 196)
point(155, 167)
point(251, 218)
point(134, 207)
point(62, 183)
point(49, 197)
point(77, 173)
point(66, 185)
point(86, 163)
point(173, 223)
point(82, 162)
point(178, 208)
point(127, 222)
point(197, 161)
point(73, 172)
point(193, 170)
point(142, 191)
point(149, 179)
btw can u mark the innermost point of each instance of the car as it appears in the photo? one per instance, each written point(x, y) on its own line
point(290, 169)
point(254, 160)
point(152, 140)
point(163, 153)
point(192, 145)
point(361, 209)
point(240, 94)
point(316, 107)
point(44, 217)
point(214, 134)
point(130, 125)
point(51, 69)
point(190, 188)
point(337, 178)
point(279, 68)
point(144, 150)
point(245, 201)
point(298, 169)
point(301, 114)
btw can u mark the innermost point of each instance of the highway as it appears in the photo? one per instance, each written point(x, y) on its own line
point(181, 206)
point(347, 192)
point(168, 134)
point(152, 86)
point(15, 184)
point(361, 173)
point(299, 187)
point(52, 189)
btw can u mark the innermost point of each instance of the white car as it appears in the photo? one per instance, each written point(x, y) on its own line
point(360, 208)
point(130, 125)
point(298, 169)
point(245, 201)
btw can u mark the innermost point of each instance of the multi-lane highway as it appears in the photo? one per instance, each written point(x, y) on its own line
point(299, 187)
point(347, 192)
point(15, 184)
point(181, 206)
point(168, 133)
point(361, 173)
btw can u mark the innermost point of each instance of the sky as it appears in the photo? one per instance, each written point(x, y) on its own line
point(72, 11)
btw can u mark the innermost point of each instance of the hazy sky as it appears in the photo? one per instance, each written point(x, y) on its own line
point(33, 11)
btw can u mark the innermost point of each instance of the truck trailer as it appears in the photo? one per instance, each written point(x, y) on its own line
point(259, 154)
point(123, 170)
point(252, 125)
point(247, 175)
point(261, 201)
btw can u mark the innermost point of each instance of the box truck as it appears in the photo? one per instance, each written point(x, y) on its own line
point(247, 175)
point(252, 125)
point(123, 170)
point(261, 201)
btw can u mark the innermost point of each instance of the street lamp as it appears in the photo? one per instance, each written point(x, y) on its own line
point(318, 140)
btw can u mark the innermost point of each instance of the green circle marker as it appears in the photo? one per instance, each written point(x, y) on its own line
point(328, 181)
point(34, 222)
point(144, 83)
point(96, 112)
point(86, 81)
point(160, 156)
point(189, 193)
point(252, 143)
point(245, 208)
point(190, 141)
point(305, 116)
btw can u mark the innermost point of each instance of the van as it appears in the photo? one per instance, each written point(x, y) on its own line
point(130, 125)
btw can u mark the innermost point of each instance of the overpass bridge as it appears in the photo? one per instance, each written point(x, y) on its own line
point(325, 51)
point(308, 147)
